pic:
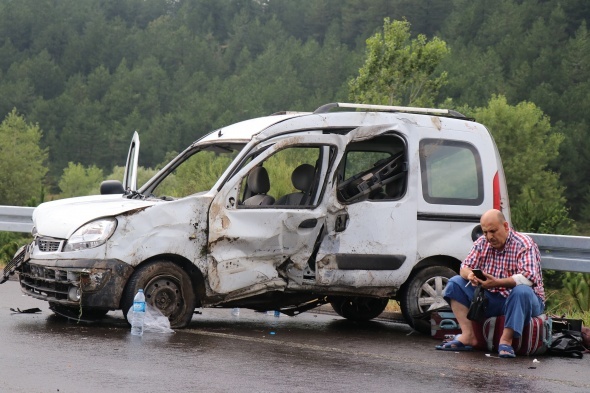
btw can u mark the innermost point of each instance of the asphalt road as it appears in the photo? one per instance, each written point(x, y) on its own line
point(254, 353)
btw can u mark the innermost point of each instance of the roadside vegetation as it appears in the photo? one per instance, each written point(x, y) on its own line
point(79, 76)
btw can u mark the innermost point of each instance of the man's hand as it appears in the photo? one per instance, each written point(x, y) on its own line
point(490, 281)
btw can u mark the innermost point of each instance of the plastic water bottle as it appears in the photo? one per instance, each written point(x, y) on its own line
point(235, 311)
point(277, 313)
point(138, 314)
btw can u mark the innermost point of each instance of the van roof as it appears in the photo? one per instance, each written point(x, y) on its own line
point(245, 130)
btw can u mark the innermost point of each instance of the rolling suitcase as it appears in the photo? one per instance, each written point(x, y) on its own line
point(535, 338)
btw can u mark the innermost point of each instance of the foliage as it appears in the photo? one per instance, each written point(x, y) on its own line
point(577, 285)
point(22, 160)
point(399, 70)
point(527, 145)
point(89, 73)
point(78, 180)
point(570, 298)
point(539, 215)
point(9, 244)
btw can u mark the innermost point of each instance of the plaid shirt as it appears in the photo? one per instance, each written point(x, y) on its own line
point(520, 255)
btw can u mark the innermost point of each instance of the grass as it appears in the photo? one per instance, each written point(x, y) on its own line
point(392, 306)
point(560, 304)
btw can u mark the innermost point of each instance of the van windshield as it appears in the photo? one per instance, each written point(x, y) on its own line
point(194, 171)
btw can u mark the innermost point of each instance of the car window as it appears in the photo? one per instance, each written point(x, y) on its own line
point(291, 177)
point(373, 170)
point(198, 173)
point(451, 173)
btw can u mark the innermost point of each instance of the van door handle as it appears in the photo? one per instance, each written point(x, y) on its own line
point(310, 223)
point(341, 221)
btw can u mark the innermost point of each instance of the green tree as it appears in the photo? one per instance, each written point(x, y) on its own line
point(22, 160)
point(80, 181)
point(572, 104)
point(577, 286)
point(399, 70)
point(527, 145)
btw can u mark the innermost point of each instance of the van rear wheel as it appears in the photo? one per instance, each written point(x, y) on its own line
point(422, 292)
point(358, 308)
point(167, 287)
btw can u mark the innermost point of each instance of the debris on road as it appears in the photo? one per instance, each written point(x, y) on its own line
point(27, 311)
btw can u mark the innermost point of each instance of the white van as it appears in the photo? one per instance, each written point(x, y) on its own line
point(350, 205)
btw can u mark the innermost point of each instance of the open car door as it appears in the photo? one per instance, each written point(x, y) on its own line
point(130, 177)
point(371, 234)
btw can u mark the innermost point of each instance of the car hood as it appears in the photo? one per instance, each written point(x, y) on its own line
point(61, 218)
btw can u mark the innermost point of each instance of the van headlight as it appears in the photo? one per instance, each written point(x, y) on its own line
point(91, 235)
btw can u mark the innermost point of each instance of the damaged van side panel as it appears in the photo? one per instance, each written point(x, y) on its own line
point(175, 227)
point(256, 248)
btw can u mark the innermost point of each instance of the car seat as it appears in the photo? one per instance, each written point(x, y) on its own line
point(258, 184)
point(302, 179)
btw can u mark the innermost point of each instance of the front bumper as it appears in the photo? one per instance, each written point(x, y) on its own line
point(71, 282)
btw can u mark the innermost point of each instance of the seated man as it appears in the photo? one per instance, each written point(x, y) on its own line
point(511, 263)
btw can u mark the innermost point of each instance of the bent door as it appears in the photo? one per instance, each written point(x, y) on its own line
point(267, 218)
point(371, 244)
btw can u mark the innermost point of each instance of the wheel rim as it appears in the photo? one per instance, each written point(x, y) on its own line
point(431, 294)
point(165, 293)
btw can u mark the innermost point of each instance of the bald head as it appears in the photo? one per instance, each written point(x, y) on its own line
point(495, 228)
point(493, 215)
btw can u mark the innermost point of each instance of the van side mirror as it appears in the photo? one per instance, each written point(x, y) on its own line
point(111, 187)
point(476, 233)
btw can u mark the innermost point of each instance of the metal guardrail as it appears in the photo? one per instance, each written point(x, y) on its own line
point(565, 253)
point(558, 252)
point(16, 219)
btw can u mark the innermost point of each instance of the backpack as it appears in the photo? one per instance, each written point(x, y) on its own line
point(567, 343)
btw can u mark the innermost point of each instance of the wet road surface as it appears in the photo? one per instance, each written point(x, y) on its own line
point(253, 352)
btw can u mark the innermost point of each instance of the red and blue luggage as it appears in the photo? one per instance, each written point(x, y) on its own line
point(535, 338)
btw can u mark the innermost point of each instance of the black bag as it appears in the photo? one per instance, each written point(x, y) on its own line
point(567, 343)
point(479, 305)
point(562, 323)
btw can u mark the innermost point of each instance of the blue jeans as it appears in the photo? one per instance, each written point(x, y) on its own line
point(519, 307)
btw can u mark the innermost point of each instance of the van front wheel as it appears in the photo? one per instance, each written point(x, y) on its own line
point(422, 292)
point(167, 287)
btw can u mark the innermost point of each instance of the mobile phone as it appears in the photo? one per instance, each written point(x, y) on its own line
point(479, 274)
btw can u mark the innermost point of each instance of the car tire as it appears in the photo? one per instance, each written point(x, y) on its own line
point(358, 308)
point(422, 292)
point(167, 287)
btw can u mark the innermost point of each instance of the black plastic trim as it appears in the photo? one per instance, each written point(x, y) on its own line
point(448, 217)
point(369, 262)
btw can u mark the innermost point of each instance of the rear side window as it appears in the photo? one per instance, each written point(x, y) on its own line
point(451, 173)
